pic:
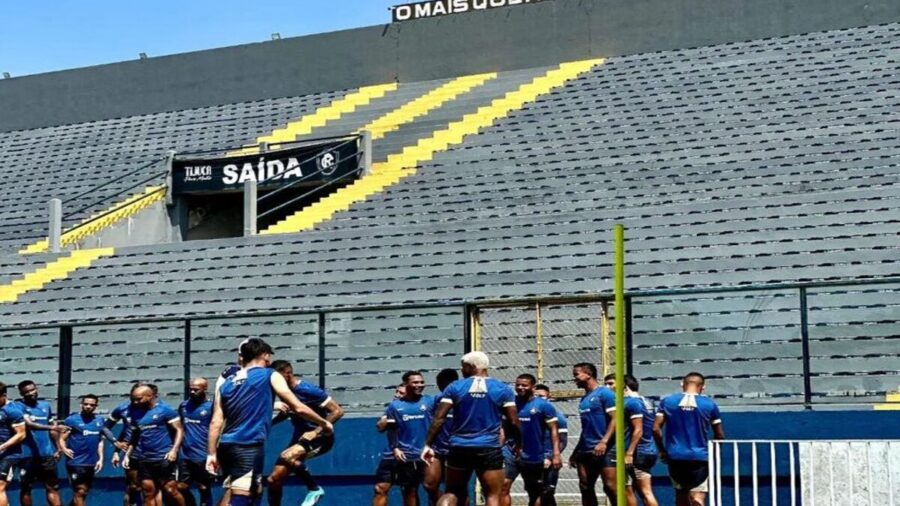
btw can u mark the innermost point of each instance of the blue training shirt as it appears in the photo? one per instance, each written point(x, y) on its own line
point(441, 443)
point(10, 418)
point(563, 424)
point(37, 442)
point(688, 421)
point(316, 399)
point(534, 415)
point(84, 439)
point(411, 420)
point(247, 400)
point(593, 409)
point(195, 418)
point(154, 438)
point(478, 404)
point(647, 446)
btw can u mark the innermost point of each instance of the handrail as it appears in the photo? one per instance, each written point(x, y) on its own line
point(123, 176)
point(114, 209)
point(297, 181)
point(250, 146)
point(314, 190)
point(114, 195)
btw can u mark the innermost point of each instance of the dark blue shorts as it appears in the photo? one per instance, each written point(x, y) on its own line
point(8, 465)
point(80, 475)
point(194, 471)
point(38, 469)
point(402, 474)
point(241, 465)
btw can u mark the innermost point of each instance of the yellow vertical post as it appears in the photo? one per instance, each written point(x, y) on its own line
point(539, 332)
point(476, 330)
point(619, 233)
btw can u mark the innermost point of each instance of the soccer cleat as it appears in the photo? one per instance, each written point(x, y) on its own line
point(313, 497)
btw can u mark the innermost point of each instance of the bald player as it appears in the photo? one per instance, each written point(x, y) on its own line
point(195, 413)
point(156, 439)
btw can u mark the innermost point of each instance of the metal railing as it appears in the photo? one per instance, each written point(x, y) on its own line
point(811, 473)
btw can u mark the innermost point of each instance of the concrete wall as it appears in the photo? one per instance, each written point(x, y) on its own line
point(501, 39)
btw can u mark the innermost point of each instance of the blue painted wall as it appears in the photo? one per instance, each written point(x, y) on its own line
point(346, 472)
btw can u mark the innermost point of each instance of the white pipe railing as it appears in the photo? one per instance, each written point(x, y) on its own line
point(809, 473)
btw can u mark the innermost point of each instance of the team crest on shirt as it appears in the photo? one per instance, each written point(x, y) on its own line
point(155, 417)
point(203, 413)
point(533, 411)
point(423, 407)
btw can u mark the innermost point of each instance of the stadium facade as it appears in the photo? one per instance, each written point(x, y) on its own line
point(750, 148)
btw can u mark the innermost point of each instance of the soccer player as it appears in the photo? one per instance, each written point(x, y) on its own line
point(591, 457)
point(641, 454)
point(409, 417)
point(132, 495)
point(551, 476)
point(434, 471)
point(83, 445)
point(242, 419)
point(195, 414)
point(479, 402)
point(687, 418)
point(308, 440)
point(538, 418)
point(156, 437)
point(385, 473)
point(12, 435)
point(40, 448)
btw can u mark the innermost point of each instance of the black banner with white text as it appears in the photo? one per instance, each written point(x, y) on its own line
point(311, 165)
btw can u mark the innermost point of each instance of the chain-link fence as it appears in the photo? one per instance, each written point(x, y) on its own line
point(547, 340)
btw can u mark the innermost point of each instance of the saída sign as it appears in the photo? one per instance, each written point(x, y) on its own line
point(433, 8)
point(310, 165)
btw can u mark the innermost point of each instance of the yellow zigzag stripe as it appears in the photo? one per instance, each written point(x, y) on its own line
point(117, 212)
point(58, 269)
point(321, 117)
point(425, 104)
point(403, 164)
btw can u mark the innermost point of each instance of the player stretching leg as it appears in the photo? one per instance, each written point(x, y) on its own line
point(479, 403)
point(242, 419)
point(307, 442)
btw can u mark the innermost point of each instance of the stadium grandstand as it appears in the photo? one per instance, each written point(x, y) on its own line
point(478, 163)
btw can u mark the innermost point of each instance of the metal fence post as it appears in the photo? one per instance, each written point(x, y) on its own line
point(54, 236)
point(249, 207)
point(322, 357)
point(187, 358)
point(366, 146)
point(804, 339)
point(64, 380)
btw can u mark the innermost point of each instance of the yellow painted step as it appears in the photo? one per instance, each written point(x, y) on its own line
point(53, 271)
point(892, 406)
point(893, 397)
point(320, 117)
point(404, 164)
point(99, 221)
point(425, 104)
